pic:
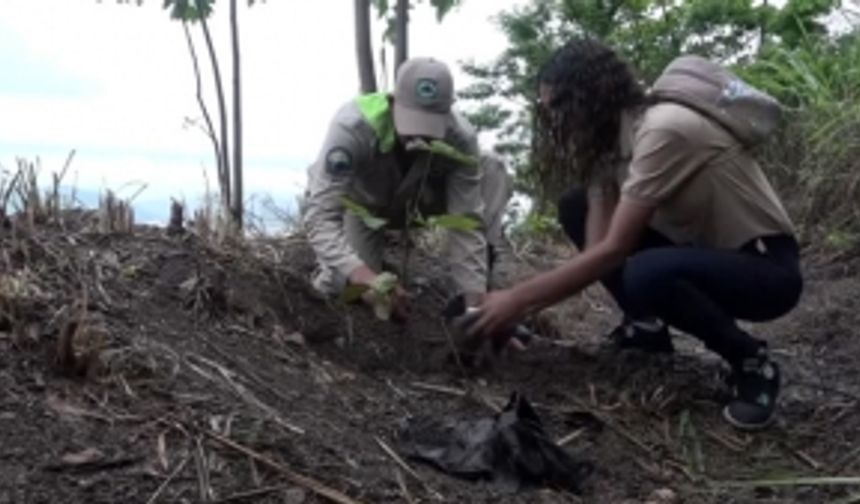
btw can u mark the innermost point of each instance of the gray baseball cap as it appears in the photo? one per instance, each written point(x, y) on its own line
point(423, 94)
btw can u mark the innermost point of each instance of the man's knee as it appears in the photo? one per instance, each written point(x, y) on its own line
point(497, 183)
point(327, 282)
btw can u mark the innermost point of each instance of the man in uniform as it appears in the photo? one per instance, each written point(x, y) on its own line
point(369, 158)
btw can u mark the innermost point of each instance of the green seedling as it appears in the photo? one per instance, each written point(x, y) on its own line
point(364, 214)
point(381, 292)
point(445, 150)
point(448, 221)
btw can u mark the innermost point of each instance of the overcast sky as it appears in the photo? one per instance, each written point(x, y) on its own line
point(115, 83)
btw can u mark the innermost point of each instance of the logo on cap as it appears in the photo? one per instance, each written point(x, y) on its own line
point(427, 90)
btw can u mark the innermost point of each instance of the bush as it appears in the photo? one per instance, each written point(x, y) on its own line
point(814, 161)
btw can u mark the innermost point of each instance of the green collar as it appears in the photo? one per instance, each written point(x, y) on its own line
point(376, 110)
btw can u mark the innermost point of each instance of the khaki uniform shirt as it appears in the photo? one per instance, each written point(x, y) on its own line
point(707, 190)
point(357, 160)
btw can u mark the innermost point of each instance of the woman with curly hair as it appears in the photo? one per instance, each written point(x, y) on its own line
point(674, 218)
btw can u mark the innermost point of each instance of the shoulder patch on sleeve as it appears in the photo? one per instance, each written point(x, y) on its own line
point(339, 162)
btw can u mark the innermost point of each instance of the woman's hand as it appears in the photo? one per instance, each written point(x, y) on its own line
point(500, 310)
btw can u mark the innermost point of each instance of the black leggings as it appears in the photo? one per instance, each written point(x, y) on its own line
point(701, 291)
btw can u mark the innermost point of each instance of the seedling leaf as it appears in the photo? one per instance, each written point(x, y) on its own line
point(384, 283)
point(364, 214)
point(453, 222)
point(443, 149)
point(352, 293)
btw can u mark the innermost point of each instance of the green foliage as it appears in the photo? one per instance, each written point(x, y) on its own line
point(381, 292)
point(352, 293)
point(814, 157)
point(536, 225)
point(647, 33)
point(443, 149)
point(363, 213)
point(385, 10)
point(442, 7)
point(187, 10)
point(444, 221)
point(450, 222)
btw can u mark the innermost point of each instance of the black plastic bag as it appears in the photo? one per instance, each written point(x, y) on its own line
point(512, 450)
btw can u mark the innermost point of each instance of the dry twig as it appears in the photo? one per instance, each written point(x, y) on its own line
point(442, 389)
point(401, 482)
point(259, 492)
point(402, 463)
point(167, 481)
point(294, 477)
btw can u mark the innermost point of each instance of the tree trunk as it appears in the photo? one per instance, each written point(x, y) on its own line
point(237, 118)
point(401, 34)
point(364, 47)
point(762, 26)
point(224, 174)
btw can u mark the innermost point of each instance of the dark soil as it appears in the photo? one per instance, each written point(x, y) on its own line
point(124, 357)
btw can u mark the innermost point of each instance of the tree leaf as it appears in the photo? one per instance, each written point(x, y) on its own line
point(384, 283)
point(364, 214)
point(453, 222)
point(352, 293)
point(374, 223)
point(443, 149)
point(382, 308)
point(381, 7)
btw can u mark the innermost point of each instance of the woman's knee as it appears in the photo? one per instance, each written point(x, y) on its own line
point(648, 280)
point(572, 212)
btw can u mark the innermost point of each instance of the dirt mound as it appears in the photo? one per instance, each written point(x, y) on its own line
point(148, 368)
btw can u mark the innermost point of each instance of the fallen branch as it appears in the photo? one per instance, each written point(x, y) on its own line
point(240, 390)
point(570, 437)
point(851, 499)
point(166, 482)
point(442, 389)
point(203, 484)
point(613, 426)
point(847, 460)
point(823, 481)
point(802, 456)
point(725, 442)
point(403, 465)
point(293, 477)
point(259, 492)
point(401, 482)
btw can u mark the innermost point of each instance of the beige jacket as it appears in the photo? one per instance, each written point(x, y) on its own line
point(357, 161)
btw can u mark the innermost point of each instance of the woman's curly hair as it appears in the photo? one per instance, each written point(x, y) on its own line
point(577, 135)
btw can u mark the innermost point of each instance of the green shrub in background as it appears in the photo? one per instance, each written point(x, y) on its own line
point(814, 160)
point(786, 48)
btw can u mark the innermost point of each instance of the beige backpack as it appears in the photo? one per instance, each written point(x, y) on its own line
point(709, 88)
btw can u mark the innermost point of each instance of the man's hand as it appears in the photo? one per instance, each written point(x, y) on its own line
point(362, 276)
point(401, 304)
point(401, 300)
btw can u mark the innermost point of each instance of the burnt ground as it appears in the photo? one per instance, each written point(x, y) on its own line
point(147, 368)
